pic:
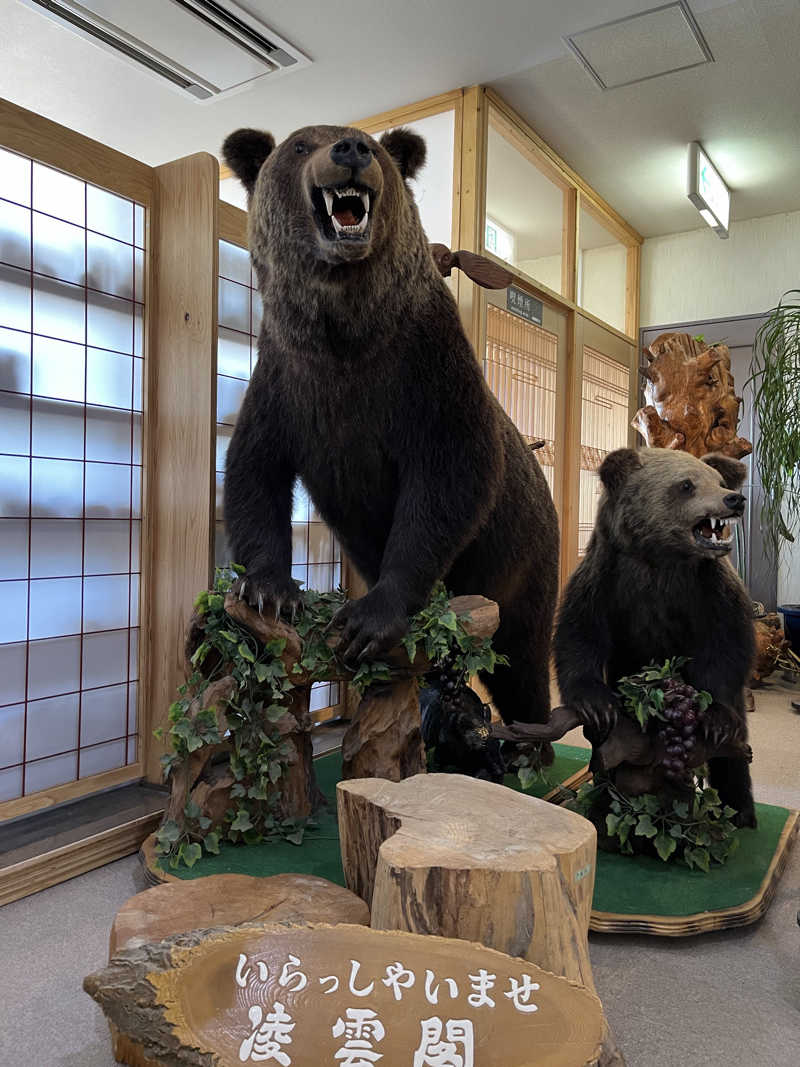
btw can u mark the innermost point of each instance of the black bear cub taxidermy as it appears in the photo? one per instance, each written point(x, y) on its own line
point(654, 584)
point(366, 388)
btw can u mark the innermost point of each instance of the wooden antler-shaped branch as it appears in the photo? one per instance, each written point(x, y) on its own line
point(481, 270)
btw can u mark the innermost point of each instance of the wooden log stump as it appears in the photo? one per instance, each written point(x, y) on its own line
point(456, 856)
point(325, 994)
point(222, 899)
point(384, 738)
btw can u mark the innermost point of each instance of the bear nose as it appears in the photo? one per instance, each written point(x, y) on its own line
point(734, 501)
point(351, 152)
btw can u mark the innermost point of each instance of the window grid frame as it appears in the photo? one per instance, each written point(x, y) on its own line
point(131, 737)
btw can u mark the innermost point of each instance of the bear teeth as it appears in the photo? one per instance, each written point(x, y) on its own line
point(330, 194)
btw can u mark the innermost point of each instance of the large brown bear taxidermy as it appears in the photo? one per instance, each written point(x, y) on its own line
point(366, 388)
point(654, 584)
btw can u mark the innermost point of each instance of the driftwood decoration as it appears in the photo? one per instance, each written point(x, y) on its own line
point(770, 642)
point(481, 270)
point(691, 403)
point(330, 994)
point(223, 899)
point(631, 757)
point(383, 738)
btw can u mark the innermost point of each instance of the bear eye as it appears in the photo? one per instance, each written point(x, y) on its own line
point(687, 486)
point(300, 147)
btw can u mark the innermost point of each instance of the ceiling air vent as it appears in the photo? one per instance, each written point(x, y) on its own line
point(638, 47)
point(203, 47)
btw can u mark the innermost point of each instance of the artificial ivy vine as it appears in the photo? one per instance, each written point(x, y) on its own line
point(258, 753)
point(696, 830)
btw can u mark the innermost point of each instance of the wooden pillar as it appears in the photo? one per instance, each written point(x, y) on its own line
point(181, 404)
point(473, 204)
point(569, 245)
point(632, 286)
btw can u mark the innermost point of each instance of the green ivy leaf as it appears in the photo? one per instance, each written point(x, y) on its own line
point(681, 809)
point(665, 845)
point(699, 857)
point(204, 822)
point(192, 810)
point(242, 821)
point(245, 652)
point(296, 838)
point(211, 843)
point(612, 822)
point(274, 770)
point(190, 853)
point(170, 831)
point(645, 827)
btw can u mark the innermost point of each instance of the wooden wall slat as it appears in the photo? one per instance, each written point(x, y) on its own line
point(179, 459)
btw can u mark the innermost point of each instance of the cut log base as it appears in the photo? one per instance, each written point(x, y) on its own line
point(458, 857)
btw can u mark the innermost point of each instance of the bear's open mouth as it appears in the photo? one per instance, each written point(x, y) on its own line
point(343, 213)
point(714, 532)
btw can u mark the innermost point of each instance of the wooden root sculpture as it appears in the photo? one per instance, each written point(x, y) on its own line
point(632, 758)
point(770, 643)
point(384, 738)
point(691, 403)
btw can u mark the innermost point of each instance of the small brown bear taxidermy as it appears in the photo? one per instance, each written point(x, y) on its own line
point(366, 388)
point(654, 584)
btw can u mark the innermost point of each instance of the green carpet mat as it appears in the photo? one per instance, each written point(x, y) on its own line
point(625, 885)
point(319, 853)
point(643, 885)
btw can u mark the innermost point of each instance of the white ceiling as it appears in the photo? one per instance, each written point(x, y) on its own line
point(372, 55)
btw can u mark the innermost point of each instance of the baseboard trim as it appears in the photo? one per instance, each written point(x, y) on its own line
point(60, 864)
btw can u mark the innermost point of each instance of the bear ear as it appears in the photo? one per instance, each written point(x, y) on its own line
point(407, 149)
point(617, 467)
point(733, 472)
point(244, 151)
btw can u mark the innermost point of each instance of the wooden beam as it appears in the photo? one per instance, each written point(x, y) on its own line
point(399, 116)
point(569, 245)
point(179, 456)
point(632, 289)
point(48, 142)
point(473, 207)
point(232, 224)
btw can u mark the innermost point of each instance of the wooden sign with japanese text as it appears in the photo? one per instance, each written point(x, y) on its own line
point(311, 996)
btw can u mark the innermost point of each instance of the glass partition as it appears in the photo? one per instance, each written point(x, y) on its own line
point(524, 209)
point(602, 271)
point(72, 260)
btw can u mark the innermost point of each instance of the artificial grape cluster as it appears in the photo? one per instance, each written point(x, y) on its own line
point(682, 719)
point(451, 680)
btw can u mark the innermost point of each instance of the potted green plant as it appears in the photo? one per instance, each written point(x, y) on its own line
point(775, 377)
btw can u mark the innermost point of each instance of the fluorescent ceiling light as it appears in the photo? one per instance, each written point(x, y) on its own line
point(707, 190)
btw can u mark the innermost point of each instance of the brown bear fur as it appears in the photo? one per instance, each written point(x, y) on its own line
point(366, 388)
point(648, 589)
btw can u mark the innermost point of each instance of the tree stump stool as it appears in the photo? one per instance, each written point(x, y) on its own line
point(311, 995)
point(222, 899)
point(459, 857)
